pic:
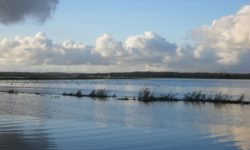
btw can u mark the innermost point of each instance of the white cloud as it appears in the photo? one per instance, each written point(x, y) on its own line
point(108, 47)
point(149, 42)
point(39, 51)
point(223, 46)
point(150, 47)
point(226, 40)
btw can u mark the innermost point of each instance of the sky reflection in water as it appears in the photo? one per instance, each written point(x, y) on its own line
point(50, 122)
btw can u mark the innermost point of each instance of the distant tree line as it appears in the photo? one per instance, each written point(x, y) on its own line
point(121, 75)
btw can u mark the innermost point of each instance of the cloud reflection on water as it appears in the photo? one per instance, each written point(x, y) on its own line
point(17, 134)
point(240, 136)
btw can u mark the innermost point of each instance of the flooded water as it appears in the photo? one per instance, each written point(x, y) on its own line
point(52, 121)
point(130, 87)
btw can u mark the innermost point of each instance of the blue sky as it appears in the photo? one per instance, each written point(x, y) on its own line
point(84, 20)
point(125, 35)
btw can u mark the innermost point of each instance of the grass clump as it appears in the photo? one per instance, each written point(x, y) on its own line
point(100, 93)
point(196, 96)
point(221, 98)
point(218, 98)
point(123, 98)
point(12, 91)
point(77, 94)
point(169, 97)
point(146, 95)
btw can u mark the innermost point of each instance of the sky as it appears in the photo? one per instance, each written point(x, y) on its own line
point(125, 35)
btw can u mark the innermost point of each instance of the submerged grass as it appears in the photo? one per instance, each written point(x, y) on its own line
point(198, 97)
point(12, 91)
point(77, 94)
point(100, 93)
point(146, 95)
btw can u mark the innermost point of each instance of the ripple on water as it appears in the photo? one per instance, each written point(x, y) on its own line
point(45, 122)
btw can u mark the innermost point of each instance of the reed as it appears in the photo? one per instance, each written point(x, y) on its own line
point(100, 93)
point(12, 91)
point(198, 96)
point(77, 94)
point(146, 95)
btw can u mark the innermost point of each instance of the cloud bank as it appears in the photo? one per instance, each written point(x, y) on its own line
point(148, 49)
point(223, 46)
point(13, 11)
point(226, 41)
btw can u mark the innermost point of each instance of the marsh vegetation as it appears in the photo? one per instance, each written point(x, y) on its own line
point(141, 90)
point(99, 93)
point(147, 95)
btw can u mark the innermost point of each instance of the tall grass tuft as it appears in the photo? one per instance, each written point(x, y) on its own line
point(218, 98)
point(100, 93)
point(168, 97)
point(146, 95)
point(12, 91)
point(195, 96)
point(77, 94)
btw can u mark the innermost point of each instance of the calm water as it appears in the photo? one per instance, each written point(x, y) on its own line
point(51, 121)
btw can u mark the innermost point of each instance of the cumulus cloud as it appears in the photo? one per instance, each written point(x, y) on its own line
point(226, 41)
point(40, 50)
point(13, 11)
point(150, 47)
point(223, 46)
point(108, 47)
point(145, 51)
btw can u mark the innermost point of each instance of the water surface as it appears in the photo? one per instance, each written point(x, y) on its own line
point(51, 121)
